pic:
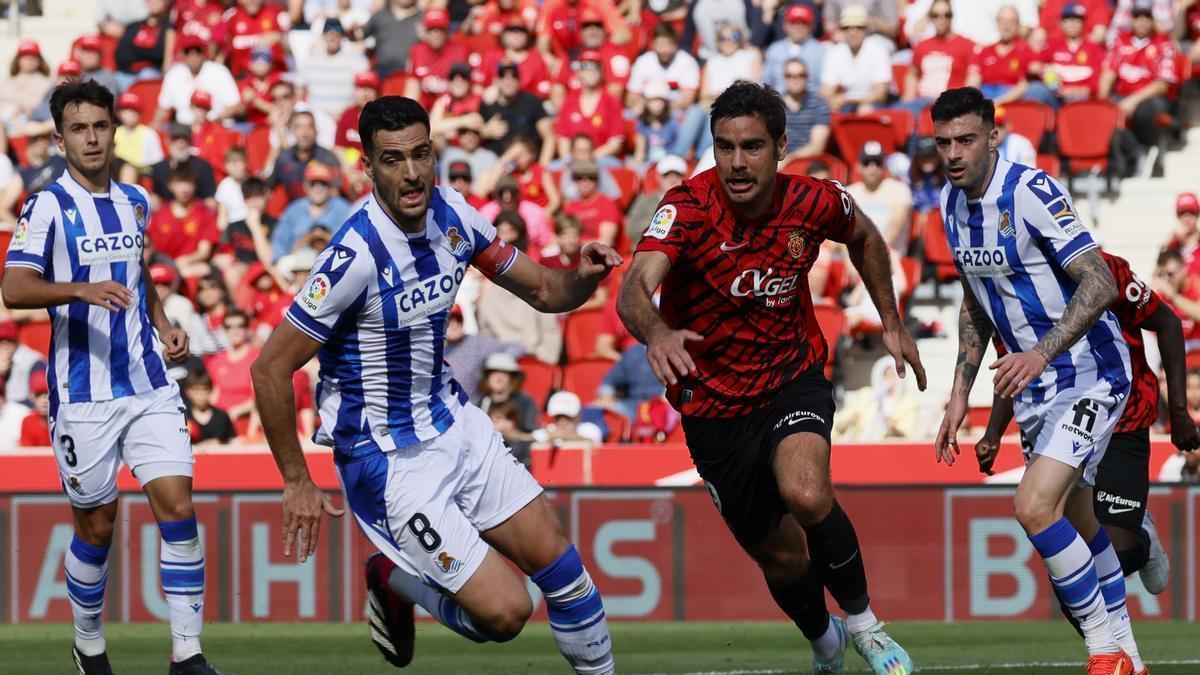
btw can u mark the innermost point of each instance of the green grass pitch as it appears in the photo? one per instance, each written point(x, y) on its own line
point(748, 648)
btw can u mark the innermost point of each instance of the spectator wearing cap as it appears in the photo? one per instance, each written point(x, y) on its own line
point(613, 61)
point(557, 27)
point(132, 141)
point(252, 23)
point(857, 72)
point(582, 149)
point(1162, 15)
point(807, 115)
point(516, 46)
point(598, 213)
point(180, 152)
point(1138, 73)
point(668, 63)
point(508, 199)
point(179, 310)
point(1094, 15)
point(798, 43)
point(41, 120)
point(35, 427)
point(320, 206)
point(17, 363)
point(185, 229)
point(394, 29)
point(210, 138)
point(1070, 63)
point(564, 409)
point(733, 60)
point(41, 168)
point(591, 111)
point(1013, 147)
point(430, 61)
point(671, 170)
point(521, 163)
point(348, 145)
point(658, 126)
point(194, 72)
point(469, 150)
point(943, 61)
point(324, 70)
point(883, 21)
point(27, 83)
point(628, 383)
point(12, 415)
point(142, 49)
point(291, 163)
point(705, 18)
point(515, 113)
point(455, 110)
point(501, 382)
point(89, 52)
point(202, 18)
point(256, 88)
point(467, 353)
point(1004, 65)
point(458, 176)
point(887, 201)
point(1186, 237)
point(264, 298)
point(926, 175)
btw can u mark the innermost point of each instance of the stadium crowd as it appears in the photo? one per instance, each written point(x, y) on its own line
point(564, 122)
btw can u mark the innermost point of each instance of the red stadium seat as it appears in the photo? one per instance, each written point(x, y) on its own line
point(851, 132)
point(1031, 119)
point(5, 237)
point(676, 437)
point(540, 378)
point(912, 277)
point(478, 43)
point(925, 122)
point(1050, 164)
point(393, 85)
point(583, 377)
point(937, 247)
point(108, 50)
point(837, 168)
point(899, 75)
point(832, 320)
point(1085, 129)
point(900, 120)
point(19, 143)
point(618, 427)
point(36, 335)
point(579, 333)
point(277, 202)
point(258, 149)
point(147, 91)
point(627, 180)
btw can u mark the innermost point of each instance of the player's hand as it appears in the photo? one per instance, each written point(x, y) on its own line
point(986, 450)
point(668, 355)
point(945, 446)
point(303, 503)
point(902, 348)
point(175, 344)
point(1015, 371)
point(1184, 434)
point(597, 260)
point(107, 294)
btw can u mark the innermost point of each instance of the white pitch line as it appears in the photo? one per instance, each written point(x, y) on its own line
point(956, 667)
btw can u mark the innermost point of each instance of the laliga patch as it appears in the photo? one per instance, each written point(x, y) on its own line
point(20, 237)
point(661, 223)
point(313, 295)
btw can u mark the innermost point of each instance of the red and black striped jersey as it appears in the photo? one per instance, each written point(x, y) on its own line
point(744, 287)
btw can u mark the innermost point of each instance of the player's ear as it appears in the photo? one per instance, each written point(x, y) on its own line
point(781, 147)
point(994, 138)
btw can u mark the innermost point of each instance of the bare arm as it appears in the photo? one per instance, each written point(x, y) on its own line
point(869, 254)
point(1107, 79)
point(665, 348)
point(974, 331)
point(1168, 331)
point(25, 288)
point(556, 291)
point(1095, 292)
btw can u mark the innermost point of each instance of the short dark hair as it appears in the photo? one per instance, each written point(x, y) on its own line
point(182, 172)
point(83, 91)
point(748, 99)
point(1169, 255)
point(254, 187)
point(388, 113)
point(236, 314)
point(954, 103)
point(198, 379)
point(664, 29)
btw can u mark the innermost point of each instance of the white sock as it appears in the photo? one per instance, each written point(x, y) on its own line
point(576, 614)
point(862, 622)
point(828, 645)
point(448, 612)
point(1073, 573)
point(87, 574)
point(182, 569)
point(1112, 588)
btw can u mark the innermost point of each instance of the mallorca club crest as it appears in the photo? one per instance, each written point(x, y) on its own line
point(458, 245)
point(796, 244)
point(1006, 228)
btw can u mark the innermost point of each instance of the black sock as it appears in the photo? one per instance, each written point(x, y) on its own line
point(833, 546)
point(803, 601)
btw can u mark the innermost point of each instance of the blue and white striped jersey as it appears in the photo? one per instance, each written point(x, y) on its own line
point(378, 300)
point(1012, 247)
point(71, 235)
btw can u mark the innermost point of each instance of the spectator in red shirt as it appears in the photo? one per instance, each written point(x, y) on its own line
point(141, 51)
point(1096, 15)
point(1137, 75)
point(1186, 238)
point(257, 88)
point(199, 18)
point(348, 145)
point(457, 109)
point(430, 60)
point(558, 32)
point(35, 430)
point(1004, 66)
point(599, 214)
point(493, 15)
point(1191, 29)
point(943, 61)
point(210, 138)
point(565, 253)
point(250, 25)
point(613, 338)
point(264, 299)
point(535, 222)
point(459, 177)
point(516, 46)
point(593, 38)
point(520, 162)
point(1070, 64)
point(230, 369)
point(1181, 292)
point(185, 229)
point(592, 111)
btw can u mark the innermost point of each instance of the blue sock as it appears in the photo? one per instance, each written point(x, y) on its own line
point(576, 614)
point(1073, 573)
point(182, 568)
point(87, 574)
point(1112, 588)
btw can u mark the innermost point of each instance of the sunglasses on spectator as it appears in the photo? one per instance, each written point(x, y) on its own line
point(873, 162)
point(318, 182)
point(796, 76)
point(586, 176)
point(941, 15)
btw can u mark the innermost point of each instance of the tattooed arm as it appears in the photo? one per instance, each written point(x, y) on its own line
point(974, 331)
point(1095, 292)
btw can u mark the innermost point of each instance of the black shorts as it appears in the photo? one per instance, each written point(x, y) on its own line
point(1123, 481)
point(734, 454)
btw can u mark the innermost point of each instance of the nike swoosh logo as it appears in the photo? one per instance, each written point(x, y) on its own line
point(1114, 510)
point(727, 248)
point(844, 562)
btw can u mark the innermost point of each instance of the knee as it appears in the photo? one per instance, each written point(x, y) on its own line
point(95, 529)
point(506, 621)
point(1033, 514)
point(179, 510)
point(809, 502)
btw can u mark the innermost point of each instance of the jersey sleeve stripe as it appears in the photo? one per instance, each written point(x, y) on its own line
point(307, 325)
point(22, 259)
point(1071, 251)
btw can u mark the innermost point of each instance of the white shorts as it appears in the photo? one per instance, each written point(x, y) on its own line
point(424, 505)
point(147, 431)
point(1073, 427)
